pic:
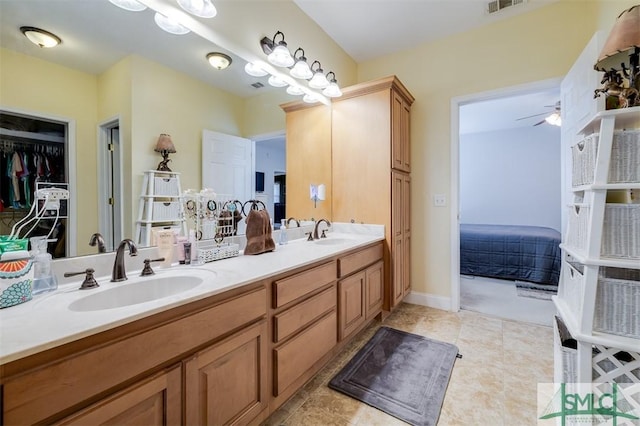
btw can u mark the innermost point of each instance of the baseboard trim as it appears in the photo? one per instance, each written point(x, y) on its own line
point(430, 300)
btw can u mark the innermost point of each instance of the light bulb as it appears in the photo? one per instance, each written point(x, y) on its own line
point(319, 80)
point(280, 56)
point(201, 8)
point(332, 90)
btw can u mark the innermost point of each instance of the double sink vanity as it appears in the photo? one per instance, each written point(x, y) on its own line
point(226, 342)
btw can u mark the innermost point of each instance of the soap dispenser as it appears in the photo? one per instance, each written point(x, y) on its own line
point(43, 278)
point(283, 239)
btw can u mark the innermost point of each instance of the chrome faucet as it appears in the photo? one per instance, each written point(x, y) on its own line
point(293, 219)
point(315, 230)
point(119, 271)
point(98, 239)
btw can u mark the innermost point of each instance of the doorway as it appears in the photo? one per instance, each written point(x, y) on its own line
point(110, 215)
point(458, 187)
point(37, 150)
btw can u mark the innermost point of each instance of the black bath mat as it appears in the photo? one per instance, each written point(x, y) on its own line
point(402, 374)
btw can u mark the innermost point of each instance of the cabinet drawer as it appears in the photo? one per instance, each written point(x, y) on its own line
point(295, 357)
point(356, 261)
point(40, 394)
point(299, 316)
point(291, 288)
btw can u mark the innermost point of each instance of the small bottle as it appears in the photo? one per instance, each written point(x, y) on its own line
point(283, 239)
point(43, 278)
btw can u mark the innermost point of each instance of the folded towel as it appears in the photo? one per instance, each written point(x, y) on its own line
point(258, 233)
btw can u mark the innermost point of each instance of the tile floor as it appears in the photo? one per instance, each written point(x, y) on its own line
point(493, 384)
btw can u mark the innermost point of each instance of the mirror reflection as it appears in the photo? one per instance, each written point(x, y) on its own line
point(113, 85)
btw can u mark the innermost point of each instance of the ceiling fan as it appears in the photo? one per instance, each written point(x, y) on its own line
point(553, 118)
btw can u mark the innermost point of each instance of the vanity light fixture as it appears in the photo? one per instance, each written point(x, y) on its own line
point(295, 90)
point(219, 60)
point(301, 68)
point(276, 81)
point(170, 25)
point(254, 70)
point(280, 55)
point(319, 80)
point(200, 8)
point(332, 90)
point(130, 5)
point(40, 37)
point(309, 98)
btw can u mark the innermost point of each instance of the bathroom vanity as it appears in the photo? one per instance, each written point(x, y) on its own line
point(229, 349)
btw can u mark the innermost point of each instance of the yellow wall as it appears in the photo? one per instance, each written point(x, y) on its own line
point(539, 45)
point(40, 87)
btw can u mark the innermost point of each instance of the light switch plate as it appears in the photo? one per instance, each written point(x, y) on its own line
point(439, 200)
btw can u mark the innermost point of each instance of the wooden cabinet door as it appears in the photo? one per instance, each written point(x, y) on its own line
point(397, 274)
point(400, 133)
point(406, 272)
point(227, 383)
point(351, 292)
point(153, 401)
point(374, 289)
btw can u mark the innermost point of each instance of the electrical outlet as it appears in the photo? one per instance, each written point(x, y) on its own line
point(439, 200)
point(52, 194)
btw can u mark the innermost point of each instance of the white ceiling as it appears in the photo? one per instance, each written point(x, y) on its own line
point(97, 34)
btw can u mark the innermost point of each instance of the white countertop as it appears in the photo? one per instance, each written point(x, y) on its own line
point(48, 321)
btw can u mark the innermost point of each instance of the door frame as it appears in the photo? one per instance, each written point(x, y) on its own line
point(70, 154)
point(456, 103)
point(104, 129)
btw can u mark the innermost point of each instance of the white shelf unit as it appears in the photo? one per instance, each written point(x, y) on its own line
point(580, 302)
point(160, 205)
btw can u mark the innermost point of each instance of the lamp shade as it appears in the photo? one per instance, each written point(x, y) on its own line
point(164, 144)
point(623, 39)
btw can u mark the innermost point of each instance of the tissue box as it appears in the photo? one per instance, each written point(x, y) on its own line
point(16, 281)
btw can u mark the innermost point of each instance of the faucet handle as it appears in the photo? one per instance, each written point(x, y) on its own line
point(89, 280)
point(147, 266)
point(310, 236)
point(324, 234)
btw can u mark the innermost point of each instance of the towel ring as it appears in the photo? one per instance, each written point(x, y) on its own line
point(254, 206)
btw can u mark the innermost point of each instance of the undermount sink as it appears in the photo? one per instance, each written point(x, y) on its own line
point(139, 290)
point(332, 241)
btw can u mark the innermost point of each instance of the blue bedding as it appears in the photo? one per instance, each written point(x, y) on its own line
point(522, 253)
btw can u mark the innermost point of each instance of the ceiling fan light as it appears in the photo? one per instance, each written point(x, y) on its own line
point(201, 8)
point(277, 81)
point(40, 37)
point(295, 90)
point(254, 70)
point(280, 56)
point(130, 5)
point(554, 119)
point(169, 25)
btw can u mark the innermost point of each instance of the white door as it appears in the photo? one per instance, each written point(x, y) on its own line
point(228, 166)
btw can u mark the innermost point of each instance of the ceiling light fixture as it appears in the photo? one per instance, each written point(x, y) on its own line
point(170, 25)
point(40, 37)
point(219, 60)
point(201, 8)
point(280, 55)
point(554, 119)
point(301, 68)
point(254, 70)
point(319, 80)
point(332, 90)
point(130, 5)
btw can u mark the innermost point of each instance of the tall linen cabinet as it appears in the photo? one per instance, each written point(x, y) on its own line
point(367, 138)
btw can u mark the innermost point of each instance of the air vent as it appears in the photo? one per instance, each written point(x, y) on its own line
point(498, 5)
point(257, 85)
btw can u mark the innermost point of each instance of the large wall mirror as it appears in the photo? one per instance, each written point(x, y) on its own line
point(117, 78)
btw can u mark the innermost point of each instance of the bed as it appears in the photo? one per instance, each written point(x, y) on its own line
point(519, 253)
